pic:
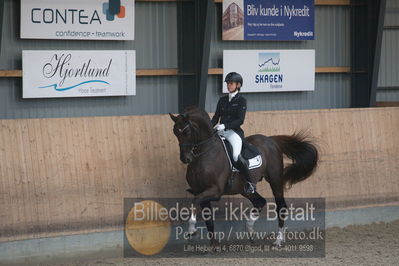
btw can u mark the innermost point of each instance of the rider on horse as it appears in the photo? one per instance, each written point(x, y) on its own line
point(231, 111)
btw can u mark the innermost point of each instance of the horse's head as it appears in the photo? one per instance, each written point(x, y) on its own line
point(191, 128)
point(185, 132)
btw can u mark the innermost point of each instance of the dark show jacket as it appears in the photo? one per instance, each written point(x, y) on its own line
point(232, 113)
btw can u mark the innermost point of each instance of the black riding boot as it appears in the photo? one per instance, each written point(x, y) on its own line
point(249, 187)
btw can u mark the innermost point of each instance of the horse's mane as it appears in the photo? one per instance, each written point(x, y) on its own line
point(198, 115)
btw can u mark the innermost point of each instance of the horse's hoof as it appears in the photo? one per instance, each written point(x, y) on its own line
point(251, 233)
point(277, 245)
point(215, 246)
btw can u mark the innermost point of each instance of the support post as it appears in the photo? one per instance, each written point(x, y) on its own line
point(367, 22)
point(195, 20)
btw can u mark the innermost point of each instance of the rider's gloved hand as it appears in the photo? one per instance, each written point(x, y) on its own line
point(220, 127)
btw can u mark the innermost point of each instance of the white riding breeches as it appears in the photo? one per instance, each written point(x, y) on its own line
point(234, 139)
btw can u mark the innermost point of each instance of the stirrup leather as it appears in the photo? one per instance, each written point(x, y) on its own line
point(249, 187)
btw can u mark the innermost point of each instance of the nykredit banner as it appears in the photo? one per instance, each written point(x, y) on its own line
point(52, 74)
point(272, 70)
point(268, 20)
point(77, 19)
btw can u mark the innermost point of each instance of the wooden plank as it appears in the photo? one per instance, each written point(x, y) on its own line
point(10, 73)
point(86, 178)
point(387, 104)
point(219, 71)
point(157, 0)
point(318, 2)
point(175, 72)
point(71, 177)
point(37, 174)
point(215, 71)
point(139, 72)
point(111, 172)
point(157, 72)
point(58, 184)
point(79, 162)
point(332, 2)
point(8, 202)
point(117, 178)
point(23, 212)
point(332, 69)
point(48, 167)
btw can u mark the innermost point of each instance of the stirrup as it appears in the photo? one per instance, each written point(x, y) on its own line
point(249, 187)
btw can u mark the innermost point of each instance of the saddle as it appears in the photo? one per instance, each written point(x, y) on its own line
point(250, 153)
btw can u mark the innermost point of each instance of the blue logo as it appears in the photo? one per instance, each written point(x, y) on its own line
point(55, 86)
point(114, 8)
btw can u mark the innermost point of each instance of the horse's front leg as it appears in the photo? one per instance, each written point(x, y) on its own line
point(203, 200)
point(192, 230)
point(207, 214)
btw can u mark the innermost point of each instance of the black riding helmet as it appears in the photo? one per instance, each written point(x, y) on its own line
point(234, 77)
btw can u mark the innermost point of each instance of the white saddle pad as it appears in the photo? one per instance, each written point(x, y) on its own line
point(254, 162)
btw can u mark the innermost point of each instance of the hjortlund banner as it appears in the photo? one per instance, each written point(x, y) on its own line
point(55, 74)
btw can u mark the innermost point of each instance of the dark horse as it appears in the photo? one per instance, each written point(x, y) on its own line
point(209, 171)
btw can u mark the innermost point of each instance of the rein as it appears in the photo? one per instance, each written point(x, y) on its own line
point(195, 146)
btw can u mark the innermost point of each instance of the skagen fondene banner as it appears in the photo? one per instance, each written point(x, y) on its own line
point(282, 20)
point(51, 74)
point(272, 70)
point(77, 19)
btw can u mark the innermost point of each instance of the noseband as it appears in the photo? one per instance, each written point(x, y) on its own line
point(181, 130)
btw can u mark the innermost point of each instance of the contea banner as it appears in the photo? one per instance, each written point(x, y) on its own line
point(51, 74)
point(77, 19)
point(278, 20)
point(272, 70)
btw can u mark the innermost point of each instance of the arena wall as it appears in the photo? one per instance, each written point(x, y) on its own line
point(61, 176)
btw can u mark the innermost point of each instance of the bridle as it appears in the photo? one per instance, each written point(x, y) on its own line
point(195, 146)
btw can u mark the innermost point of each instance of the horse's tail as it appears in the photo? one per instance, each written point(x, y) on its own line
point(303, 153)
